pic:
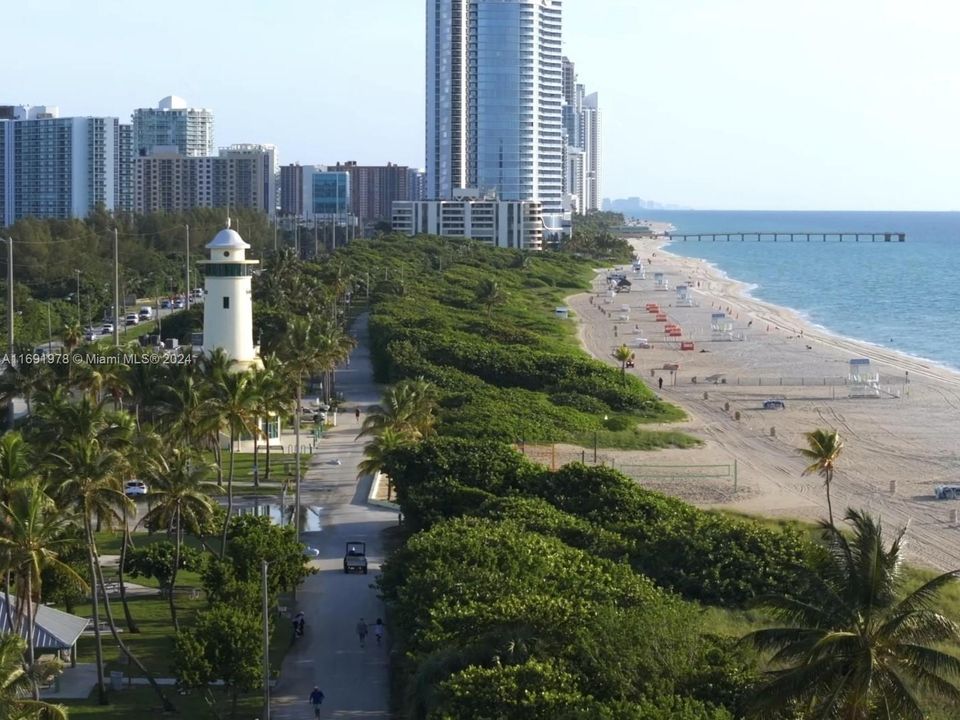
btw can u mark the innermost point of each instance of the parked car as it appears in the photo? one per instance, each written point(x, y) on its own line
point(774, 404)
point(134, 488)
point(131, 319)
point(947, 492)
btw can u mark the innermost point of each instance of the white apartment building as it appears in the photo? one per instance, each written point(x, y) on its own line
point(53, 167)
point(173, 124)
point(499, 223)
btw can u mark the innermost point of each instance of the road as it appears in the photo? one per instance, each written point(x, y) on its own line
point(355, 679)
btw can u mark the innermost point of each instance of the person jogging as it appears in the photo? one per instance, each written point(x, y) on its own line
point(316, 699)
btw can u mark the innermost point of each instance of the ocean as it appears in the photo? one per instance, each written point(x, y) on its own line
point(903, 296)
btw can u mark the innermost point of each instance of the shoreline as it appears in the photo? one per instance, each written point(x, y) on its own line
point(746, 292)
point(897, 446)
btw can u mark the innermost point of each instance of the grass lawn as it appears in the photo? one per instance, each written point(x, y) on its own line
point(154, 647)
point(142, 702)
point(281, 467)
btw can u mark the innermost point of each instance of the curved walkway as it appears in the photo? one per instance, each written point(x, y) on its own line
point(355, 679)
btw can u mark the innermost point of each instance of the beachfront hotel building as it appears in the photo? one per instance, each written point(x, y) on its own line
point(494, 95)
point(499, 223)
point(54, 167)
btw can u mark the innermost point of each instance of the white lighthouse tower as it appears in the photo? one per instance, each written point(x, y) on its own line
point(228, 301)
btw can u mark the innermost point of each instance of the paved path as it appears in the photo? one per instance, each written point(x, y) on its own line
point(354, 679)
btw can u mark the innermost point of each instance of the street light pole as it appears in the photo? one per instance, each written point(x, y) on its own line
point(116, 289)
point(10, 338)
point(79, 320)
point(266, 642)
point(12, 358)
point(187, 250)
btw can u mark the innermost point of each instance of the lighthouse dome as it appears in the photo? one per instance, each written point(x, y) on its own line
point(227, 239)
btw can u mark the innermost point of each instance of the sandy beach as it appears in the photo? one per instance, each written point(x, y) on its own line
point(898, 445)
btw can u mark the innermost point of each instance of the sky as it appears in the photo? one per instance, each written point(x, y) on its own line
point(721, 104)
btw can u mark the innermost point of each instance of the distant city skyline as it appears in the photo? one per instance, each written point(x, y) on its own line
point(708, 103)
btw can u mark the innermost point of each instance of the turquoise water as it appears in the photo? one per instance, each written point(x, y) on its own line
point(903, 296)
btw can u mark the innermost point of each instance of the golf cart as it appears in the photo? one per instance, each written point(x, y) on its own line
point(355, 558)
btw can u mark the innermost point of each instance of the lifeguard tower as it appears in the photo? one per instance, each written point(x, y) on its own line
point(862, 380)
point(684, 297)
point(660, 282)
point(721, 327)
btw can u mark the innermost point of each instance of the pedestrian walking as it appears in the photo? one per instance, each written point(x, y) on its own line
point(660, 382)
point(378, 630)
point(358, 414)
point(316, 699)
point(362, 632)
point(298, 623)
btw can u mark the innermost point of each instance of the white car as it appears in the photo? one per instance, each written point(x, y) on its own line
point(106, 329)
point(311, 552)
point(134, 488)
point(178, 304)
point(132, 319)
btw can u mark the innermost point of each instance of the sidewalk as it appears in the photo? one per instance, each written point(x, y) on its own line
point(355, 679)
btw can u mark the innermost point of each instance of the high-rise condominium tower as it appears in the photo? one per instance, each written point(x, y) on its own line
point(54, 167)
point(494, 97)
point(173, 124)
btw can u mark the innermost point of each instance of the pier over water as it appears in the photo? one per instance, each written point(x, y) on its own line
point(771, 236)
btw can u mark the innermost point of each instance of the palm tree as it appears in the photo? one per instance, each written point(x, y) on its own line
point(407, 408)
point(622, 355)
point(267, 387)
point(376, 451)
point(16, 682)
point(32, 531)
point(309, 346)
point(276, 400)
point(237, 405)
point(25, 380)
point(91, 461)
point(489, 293)
point(72, 335)
point(852, 648)
point(179, 501)
point(824, 448)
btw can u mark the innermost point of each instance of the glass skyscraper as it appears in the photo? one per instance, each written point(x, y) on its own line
point(494, 99)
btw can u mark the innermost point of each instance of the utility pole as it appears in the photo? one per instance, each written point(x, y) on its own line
point(275, 220)
point(266, 637)
point(79, 320)
point(10, 338)
point(116, 290)
point(12, 358)
point(187, 267)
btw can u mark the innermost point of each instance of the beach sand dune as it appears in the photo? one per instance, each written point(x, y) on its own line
point(898, 445)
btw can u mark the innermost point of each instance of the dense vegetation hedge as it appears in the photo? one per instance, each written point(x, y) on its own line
point(495, 621)
point(507, 370)
point(702, 555)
